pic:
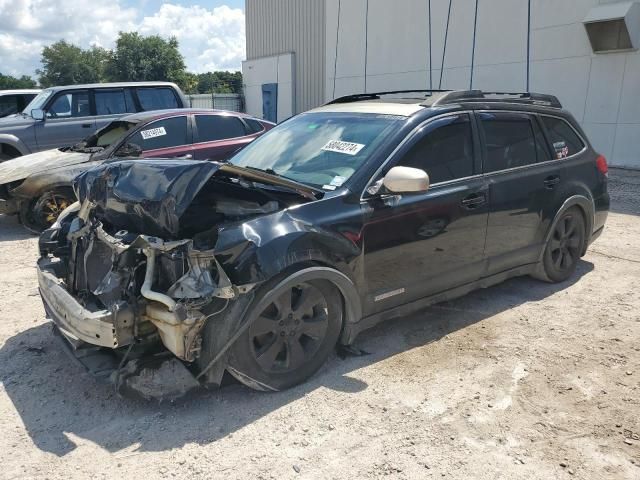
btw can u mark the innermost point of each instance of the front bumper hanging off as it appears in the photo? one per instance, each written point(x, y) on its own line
point(111, 328)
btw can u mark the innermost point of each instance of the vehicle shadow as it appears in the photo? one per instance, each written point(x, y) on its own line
point(11, 229)
point(58, 402)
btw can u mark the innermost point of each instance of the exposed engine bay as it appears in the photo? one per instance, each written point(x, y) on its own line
point(133, 266)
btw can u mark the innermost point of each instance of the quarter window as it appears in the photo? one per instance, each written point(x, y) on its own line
point(166, 133)
point(71, 104)
point(446, 150)
point(563, 137)
point(254, 125)
point(156, 98)
point(110, 102)
point(510, 141)
point(218, 127)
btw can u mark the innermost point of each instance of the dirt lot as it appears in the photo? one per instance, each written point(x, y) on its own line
point(523, 380)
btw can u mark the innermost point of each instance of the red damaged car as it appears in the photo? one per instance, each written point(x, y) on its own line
point(38, 186)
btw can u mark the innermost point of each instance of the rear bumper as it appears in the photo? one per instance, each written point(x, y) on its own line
point(105, 328)
point(9, 207)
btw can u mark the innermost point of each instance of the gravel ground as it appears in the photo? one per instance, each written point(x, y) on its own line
point(522, 380)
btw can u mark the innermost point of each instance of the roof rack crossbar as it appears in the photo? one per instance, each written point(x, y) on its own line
point(479, 95)
point(376, 95)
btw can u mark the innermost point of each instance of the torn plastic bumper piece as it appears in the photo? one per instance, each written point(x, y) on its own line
point(110, 328)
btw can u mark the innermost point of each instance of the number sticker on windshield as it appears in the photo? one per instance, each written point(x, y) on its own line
point(153, 133)
point(339, 146)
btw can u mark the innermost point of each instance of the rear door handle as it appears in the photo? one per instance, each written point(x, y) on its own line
point(473, 201)
point(552, 181)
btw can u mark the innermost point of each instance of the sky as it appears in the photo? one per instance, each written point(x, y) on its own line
point(210, 32)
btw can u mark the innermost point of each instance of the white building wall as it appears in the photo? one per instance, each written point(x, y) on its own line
point(602, 91)
point(278, 69)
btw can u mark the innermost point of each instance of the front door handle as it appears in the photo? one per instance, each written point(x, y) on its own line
point(86, 125)
point(473, 201)
point(552, 181)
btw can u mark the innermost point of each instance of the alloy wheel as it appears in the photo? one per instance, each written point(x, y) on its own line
point(290, 330)
point(565, 243)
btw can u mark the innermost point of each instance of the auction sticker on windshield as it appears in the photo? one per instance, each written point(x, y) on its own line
point(339, 146)
point(153, 133)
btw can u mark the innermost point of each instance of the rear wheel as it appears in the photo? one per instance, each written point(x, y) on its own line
point(39, 214)
point(290, 338)
point(565, 246)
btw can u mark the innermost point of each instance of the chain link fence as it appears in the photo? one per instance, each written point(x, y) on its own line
point(220, 101)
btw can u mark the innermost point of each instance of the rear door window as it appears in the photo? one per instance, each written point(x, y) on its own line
point(219, 127)
point(563, 137)
point(510, 141)
point(165, 133)
point(70, 104)
point(110, 102)
point(446, 150)
point(157, 98)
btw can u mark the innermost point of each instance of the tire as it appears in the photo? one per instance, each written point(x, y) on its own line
point(290, 338)
point(565, 246)
point(40, 213)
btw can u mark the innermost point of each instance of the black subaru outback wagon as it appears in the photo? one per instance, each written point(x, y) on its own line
point(364, 209)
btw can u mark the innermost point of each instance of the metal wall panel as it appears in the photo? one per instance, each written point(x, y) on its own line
point(280, 26)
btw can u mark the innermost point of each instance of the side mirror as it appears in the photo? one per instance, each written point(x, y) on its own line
point(129, 150)
point(406, 180)
point(37, 114)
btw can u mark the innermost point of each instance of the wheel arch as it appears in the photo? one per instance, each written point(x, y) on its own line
point(14, 143)
point(352, 306)
point(587, 208)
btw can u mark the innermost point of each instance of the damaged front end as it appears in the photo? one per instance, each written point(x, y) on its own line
point(129, 295)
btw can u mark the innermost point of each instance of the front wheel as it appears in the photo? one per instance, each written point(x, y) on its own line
point(565, 246)
point(39, 214)
point(290, 338)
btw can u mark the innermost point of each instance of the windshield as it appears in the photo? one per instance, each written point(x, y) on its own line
point(319, 149)
point(38, 102)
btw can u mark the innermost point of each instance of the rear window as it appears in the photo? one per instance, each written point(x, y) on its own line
point(157, 98)
point(510, 141)
point(165, 133)
point(109, 102)
point(218, 127)
point(564, 139)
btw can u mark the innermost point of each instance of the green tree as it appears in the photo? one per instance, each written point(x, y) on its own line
point(9, 82)
point(66, 64)
point(137, 58)
point(220, 82)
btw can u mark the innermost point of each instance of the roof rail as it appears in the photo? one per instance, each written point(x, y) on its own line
point(511, 97)
point(357, 97)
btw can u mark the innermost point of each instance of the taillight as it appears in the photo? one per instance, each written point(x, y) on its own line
point(601, 165)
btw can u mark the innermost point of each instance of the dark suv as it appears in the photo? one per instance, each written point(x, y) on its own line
point(364, 209)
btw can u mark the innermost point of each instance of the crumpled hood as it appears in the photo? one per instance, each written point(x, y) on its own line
point(144, 196)
point(21, 167)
